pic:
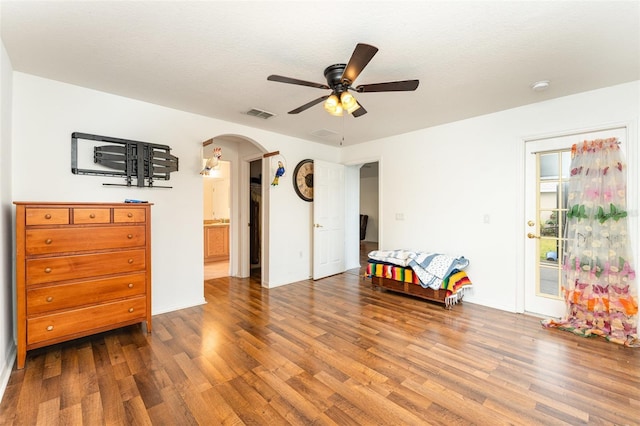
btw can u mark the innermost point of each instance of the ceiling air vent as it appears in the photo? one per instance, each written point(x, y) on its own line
point(254, 112)
point(324, 133)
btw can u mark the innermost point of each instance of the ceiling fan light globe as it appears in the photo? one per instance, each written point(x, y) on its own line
point(331, 103)
point(347, 100)
point(337, 111)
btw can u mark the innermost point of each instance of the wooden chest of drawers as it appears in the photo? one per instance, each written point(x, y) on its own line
point(80, 269)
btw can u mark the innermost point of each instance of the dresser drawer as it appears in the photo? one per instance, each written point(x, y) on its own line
point(60, 268)
point(124, 215)
point(91, 215)
point(79, 321)
point(60, 240)
point(64, 296)
point(46, 216)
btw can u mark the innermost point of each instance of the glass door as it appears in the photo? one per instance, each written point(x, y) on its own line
point(547, 172)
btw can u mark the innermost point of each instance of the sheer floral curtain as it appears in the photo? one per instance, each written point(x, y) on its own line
point(598, 276)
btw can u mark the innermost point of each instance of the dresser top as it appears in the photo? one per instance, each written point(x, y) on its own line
point(79, 204)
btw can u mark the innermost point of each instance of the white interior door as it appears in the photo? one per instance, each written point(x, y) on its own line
point(328, 219)
point(547, 171)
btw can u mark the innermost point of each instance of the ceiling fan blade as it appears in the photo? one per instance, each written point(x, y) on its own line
point(392, 86)
point(308, 105)
point(289, 80)
point(359, 112)
point(361, 56)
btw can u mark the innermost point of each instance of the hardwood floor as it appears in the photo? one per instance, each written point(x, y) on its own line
point(216, 270)
point(332, 351)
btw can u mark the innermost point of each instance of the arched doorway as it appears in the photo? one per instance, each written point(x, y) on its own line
point(244, 155)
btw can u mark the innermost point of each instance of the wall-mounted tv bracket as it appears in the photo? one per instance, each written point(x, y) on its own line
point(132, 160)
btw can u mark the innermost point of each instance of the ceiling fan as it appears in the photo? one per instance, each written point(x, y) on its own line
point(340, 78)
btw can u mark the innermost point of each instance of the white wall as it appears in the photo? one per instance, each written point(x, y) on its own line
point(455, 174)
point(7, 347)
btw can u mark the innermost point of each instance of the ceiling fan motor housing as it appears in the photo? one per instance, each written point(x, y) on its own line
point(333, 74)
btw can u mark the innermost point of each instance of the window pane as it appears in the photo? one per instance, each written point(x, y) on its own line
point(549, 224)
point(548, 251)
point(549, 195)
point(549, 282)
point(549, 166)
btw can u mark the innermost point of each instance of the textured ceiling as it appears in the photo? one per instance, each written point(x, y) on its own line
point(213, 58)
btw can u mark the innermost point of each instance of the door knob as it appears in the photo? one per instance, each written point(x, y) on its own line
point(530, 235)
point(531, 223)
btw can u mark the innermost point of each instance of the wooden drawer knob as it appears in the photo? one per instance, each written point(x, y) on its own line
point(129, 214)
point(130, 260)
point(49, 328)
point(47, 216)
point(47, 270)
point(92, 216)
point(50, 299)
point(48, 241)
point(130, 285)
point(130, 310)
point(129, 236)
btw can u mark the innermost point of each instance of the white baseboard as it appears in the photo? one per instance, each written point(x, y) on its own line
point(5, 371)
point(164, 309)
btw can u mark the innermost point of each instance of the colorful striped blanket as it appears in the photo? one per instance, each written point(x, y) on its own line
point(431, 268)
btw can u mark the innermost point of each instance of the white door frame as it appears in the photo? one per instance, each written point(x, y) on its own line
point(355, 251)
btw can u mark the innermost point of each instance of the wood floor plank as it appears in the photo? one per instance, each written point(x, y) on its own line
point(92, 411)
point(193, 399)
point(306, 410)
point(28, 401)
point(327, 352)
point(344, 412)
point(52, 364)
point(49, 412)
point(110, 397)
point(247, 404)
point(50, 389)
point(192, 372)
point(222, 413)
point(254, 390)
point(175, 409)
point(71, 415)
point(136, 412)
point(311, 389)
point(370, 402)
